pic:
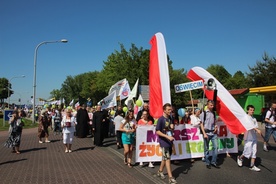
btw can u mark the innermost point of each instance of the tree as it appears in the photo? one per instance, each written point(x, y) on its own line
point(238, 81)
point(130, 64)
point(263, 73)
point(4, 85)
point(221, 74)
point(55, 93)
point(178, 77)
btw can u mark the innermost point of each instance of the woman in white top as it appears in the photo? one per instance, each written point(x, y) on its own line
point(195, 121)
point(68, 124)
point(195, 118)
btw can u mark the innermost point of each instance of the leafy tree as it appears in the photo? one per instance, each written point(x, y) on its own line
point(178, 77)
point(263, 73)
point(4, 85)
point(238, 81)
point(130, 64)
point(221, 74)
point(55, 94)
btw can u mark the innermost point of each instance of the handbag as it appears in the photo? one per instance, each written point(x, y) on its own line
point(68, 124)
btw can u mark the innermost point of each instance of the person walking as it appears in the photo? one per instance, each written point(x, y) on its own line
point(99, 119)
point(250, 141)
point(209, 131)
point(82, 127)
point(15, 132)
point(164, 130)
point(68, 124)
point(128, 128)
point(270, 125)
point(117, 122)
point(144, 121)
point(44, 123)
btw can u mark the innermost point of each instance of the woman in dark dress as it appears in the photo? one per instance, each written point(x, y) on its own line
point(44, 123)
point(16, 126)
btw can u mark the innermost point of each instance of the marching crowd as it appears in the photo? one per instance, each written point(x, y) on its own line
point(100, 124)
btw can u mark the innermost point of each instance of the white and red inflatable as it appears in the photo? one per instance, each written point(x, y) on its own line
point(227, 107)
point(159, 79)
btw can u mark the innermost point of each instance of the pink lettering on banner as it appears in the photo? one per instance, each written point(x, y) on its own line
point(152, 137)
point(186, 134)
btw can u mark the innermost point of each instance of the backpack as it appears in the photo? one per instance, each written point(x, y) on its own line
point(204, 117)
point(264, 114)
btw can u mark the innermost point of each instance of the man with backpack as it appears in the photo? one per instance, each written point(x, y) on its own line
point(270, 125)
point(209, 131)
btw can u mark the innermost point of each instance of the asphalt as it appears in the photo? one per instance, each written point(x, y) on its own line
point(48, 163)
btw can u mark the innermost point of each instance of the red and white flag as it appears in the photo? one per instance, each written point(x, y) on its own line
point(227, 107)
point(159, 79)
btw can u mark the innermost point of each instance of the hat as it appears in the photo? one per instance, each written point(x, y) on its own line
point(197, 109)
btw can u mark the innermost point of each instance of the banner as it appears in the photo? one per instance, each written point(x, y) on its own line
point(188, 143)
point(188, 86)
point(109, 101)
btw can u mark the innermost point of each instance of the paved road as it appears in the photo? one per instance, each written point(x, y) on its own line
point(47, 163)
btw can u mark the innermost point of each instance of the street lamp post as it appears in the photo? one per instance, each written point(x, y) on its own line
point(35, 59)
point(22, 76)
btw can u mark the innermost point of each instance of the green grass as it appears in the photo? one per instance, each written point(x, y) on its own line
point(28, 124)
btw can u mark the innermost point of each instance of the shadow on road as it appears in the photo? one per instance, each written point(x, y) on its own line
point(13, 161)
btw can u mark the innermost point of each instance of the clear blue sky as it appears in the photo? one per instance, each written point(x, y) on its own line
point(233, 33)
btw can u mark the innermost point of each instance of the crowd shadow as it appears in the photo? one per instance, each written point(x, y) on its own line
point(109, 143)
point(183, 168)
point(32, 149)
point(85, 148)
point(12, 161)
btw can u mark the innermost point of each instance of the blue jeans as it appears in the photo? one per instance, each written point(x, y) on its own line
point(268, 132)
point(213, 139)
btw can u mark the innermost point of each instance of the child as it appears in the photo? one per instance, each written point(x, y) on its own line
point(250, 142)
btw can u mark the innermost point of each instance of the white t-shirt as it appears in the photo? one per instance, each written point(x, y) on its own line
point(117, 121)
point(251, 135)
point(195, 121)
point(130, 125)
point(270, 115)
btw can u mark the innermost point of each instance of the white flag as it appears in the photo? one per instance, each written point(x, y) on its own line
point(132, 93)
point(125, 91)
point(71, 103)
point(109, 101)
point(117, 87)
point(77, 104)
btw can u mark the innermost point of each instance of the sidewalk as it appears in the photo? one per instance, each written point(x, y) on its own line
point(47, 163)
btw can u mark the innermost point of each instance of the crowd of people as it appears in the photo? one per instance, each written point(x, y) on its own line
point(102, 123)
